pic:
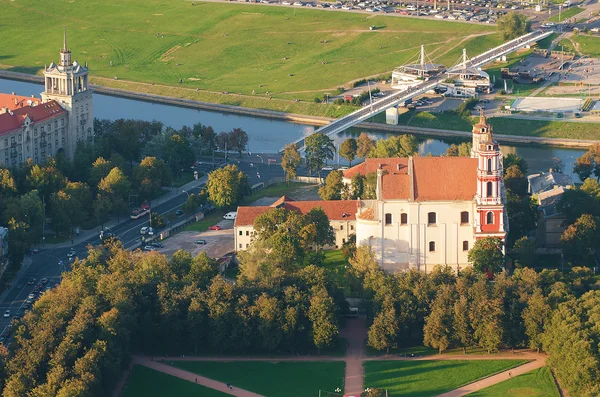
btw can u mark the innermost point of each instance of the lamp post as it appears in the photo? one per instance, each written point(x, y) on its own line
point(184, 191)
point(261, 159)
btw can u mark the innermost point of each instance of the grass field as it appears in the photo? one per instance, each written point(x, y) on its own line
point(218, 47)
point(589, 45)
point(538, 383)
point(429, 378)
point(273, 379)
point(147, 382)
point(547, 129)
point(545, 43)
point(566, 14)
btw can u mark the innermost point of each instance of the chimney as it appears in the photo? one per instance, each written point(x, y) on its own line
point(16, 101)
point(411, 178)
point(551, 170)
point(379, 190)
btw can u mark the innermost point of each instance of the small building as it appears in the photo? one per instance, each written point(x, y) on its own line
point(464, 74)
point(341, 215)
point(413, 74)
point(549, 187)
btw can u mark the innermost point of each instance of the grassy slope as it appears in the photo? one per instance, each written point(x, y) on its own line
point(147, 382)
point(565, 14)
point(589, 45)
point(429, 378)
point(548, 129)
point(273, 379)
point(538, 383)
point(220, 47)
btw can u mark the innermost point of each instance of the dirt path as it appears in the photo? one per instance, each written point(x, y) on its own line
point(356, 335)
point(192, 377)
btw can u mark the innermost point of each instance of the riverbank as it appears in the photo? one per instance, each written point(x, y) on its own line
point(304, 119)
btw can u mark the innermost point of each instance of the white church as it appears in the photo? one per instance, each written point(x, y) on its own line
point(31, 128)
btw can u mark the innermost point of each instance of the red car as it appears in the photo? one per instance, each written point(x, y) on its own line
point(214, 227)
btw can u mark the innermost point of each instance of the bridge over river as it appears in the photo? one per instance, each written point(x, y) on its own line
point(398, 97)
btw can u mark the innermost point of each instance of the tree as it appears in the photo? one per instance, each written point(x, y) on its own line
point(394, 146)
point(238, 139)
point(150, 176)
point(463, 332)
point(191, 205)
point(534, 318)
point(486, 255)
point(513, 25)
point(522, 216)
point(226, 186)
point(462, 150)
point(364, 145)
point(438, 331)
point(290, 161)
point(100, 169)
point(513, 159)
point(348, 150)
point(267, 309)
point(591, 187)
point(580, 239)
point(525, 249)
point(322, 317)
point(60, 204)
point(332, 189)
point(384, 330)
point(584, 166)
point(157, 221)
point(323, 232)
point(113, 189)
point(515, 180)
point(177, 153)
point(45, 179)
point(318, 148)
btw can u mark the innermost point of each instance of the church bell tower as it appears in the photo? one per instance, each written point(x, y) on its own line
point(67, 84)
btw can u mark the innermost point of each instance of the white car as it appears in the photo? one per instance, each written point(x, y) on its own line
point(7, 314)
point(230, 215)
point(144, 230)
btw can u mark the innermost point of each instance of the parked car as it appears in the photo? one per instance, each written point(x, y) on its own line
point(144, 230)
point(44, 280)
point(31, 281)
point(214, 227)
point(179, 212)
point(31, 296)
point(200, 242)
point(7, 314)
point(230, 215)
point(578, 115)
point(327, 168)
point(156, 244)
point(149, 248)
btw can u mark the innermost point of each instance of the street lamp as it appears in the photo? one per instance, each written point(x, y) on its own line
point(184, 191)
point(261, 159)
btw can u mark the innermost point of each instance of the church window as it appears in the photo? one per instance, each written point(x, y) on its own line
point(351, 227)
point(465, 245)
point(489, 188)
point(388, 219)
point(403, 218)
point(341, 227)
point(489, 165)
point(464, 218)
point(431, 218)
point(489, 218)
point(432, 246)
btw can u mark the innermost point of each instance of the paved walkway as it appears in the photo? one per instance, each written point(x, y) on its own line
point(356, 335)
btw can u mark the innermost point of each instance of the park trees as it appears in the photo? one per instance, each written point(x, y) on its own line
point(588, 164)
point(438, 330)
point(384, 330)
point(486, 255)
point(364, 145)
point(333, 187)
point(177, 153)
point(290, 161)
point(395, 146)
point(581, 238)
point(512, 25)
point(113, 189)
point(318, 149)
point(226, 186)
point(150, 176)
point(348, 150)
point(515, 180)
point(461, 150)
point(321, 313)
point(534, 318)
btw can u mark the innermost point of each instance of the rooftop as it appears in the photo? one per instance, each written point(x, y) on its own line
point(12, 101)
point(15, 119)
point(334, 209)
point(543, 181)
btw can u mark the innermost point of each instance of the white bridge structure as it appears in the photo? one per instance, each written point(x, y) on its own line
point(398, 97)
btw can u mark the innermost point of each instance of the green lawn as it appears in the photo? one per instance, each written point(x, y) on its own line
point(548, 129)
point(538, 383)
point(544, 44)
point(565, 14)
point(334, 259)
point(216, 47)
point(565, 45)
point(273, 379)
point(429, 378)
point(589, 45)
point(147, 382)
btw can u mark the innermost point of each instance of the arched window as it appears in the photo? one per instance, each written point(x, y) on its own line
point(388, 219)
point(432, 246)
point(432, 218)
point(489, 218)
point(464, 218)
point(403, 218)
point(489, 188)
point(489, 165)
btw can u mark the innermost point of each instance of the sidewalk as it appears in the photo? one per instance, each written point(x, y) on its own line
point(356, 334)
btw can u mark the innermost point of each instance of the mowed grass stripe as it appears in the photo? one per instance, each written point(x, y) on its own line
point(537, 383)
point(426, 378)
point(273, 379)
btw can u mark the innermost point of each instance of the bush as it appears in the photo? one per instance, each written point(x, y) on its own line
point(318, 100)
point(339, 101)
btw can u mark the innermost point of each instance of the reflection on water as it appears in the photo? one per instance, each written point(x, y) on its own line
point(267, 135)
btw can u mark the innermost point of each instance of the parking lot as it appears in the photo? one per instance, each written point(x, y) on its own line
point(218, 242)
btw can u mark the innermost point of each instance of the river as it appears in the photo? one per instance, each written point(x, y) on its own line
point(266, 135)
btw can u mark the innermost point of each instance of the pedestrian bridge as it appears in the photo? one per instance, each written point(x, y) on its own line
point(397, 97)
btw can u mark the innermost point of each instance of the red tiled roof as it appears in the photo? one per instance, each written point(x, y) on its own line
point(334, 209)
point(433, 179)
point(10, 122)
point(16, 101)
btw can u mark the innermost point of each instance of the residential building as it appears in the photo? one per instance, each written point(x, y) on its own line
point(31, 128)
point(341, 215)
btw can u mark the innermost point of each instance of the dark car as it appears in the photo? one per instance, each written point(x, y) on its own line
point(179, 212)
point(31, 281)
point(156, 245)
point(43, 281)
point(200, 242)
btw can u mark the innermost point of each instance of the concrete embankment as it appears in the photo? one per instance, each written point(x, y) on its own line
point(303, 119)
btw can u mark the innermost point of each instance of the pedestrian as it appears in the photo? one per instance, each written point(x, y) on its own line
point(196, 380)
point(509, 374)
